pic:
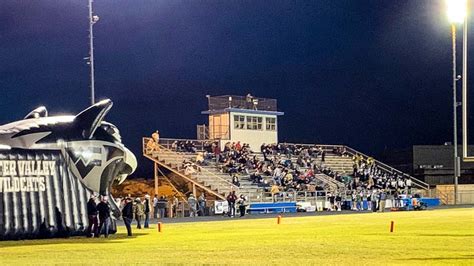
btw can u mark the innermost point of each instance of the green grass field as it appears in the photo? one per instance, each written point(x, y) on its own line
point(428, 237)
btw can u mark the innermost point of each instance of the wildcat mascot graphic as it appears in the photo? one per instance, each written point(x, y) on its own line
point(50, 166)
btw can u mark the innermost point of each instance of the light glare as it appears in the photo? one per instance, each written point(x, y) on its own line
point(456, 10)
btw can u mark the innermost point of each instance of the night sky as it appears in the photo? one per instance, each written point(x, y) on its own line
point(374, 75)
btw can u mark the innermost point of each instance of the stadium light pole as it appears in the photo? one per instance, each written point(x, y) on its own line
point(92, 20)
point(456, 10)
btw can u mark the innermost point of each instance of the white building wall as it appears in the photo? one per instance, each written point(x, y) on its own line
point(254, 138)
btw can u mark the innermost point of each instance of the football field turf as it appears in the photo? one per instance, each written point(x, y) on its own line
point(426, 237)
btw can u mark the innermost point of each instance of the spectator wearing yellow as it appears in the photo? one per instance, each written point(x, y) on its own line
point(274, 191)
point(153, 144)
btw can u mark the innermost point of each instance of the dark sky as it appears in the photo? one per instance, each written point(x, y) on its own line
point(370, 74)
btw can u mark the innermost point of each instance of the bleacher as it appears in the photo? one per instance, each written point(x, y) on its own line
point(212, 179)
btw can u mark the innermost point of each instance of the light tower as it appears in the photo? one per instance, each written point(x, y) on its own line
point(456, 10)
point(92, 20)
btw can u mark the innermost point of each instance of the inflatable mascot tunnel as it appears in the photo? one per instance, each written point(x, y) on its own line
point(50, 166)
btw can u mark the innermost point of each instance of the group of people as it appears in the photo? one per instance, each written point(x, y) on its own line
point(279, 171)
point(374, 200)
point(197, 207)
point(183, 146)
point(138, 210)
point(367, 175)
point(234, 201)
point(98, 214)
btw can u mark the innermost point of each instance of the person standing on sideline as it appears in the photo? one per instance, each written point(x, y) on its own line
point(338, 202)
point(242, 205)
point(174, 206)
point(192, 205)
point(127, 215)
point(369, 200)
point(162, 206)
point(155, 207)
point(202, 204)
point(147, 210)
point(92, 217)
point(231, 198)
point(139, 212)
point(104, 216)
point(374, 199)
point(383, 198)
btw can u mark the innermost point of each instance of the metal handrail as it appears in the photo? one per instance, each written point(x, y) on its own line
point(329, 180)
point(388, 168)
point(167, 142)
point(350, 151)
point(382, 166)
point(218, 177)
point(184, 176)
point(146, 139)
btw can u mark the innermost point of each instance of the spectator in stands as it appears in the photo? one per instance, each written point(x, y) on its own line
point(153, 143)
point(235, 180)
point(323, 154)
point(147, 210)
point(401, 183)
point(190, 168)
point(138, 211)
point(238, 146)
point(104, 216)
point(231, 199)
point(92, 217)
point(200, 159)
point(275, 190)
point(174, 145)
point(127, 215)
point(192, 205)
point(311, 189)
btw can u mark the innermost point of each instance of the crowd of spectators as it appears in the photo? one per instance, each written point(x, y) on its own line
point(183, 146)
point(293, 167)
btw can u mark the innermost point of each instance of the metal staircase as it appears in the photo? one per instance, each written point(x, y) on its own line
point(172, 161)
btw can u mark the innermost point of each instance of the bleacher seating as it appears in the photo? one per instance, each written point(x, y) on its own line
point(338, 162)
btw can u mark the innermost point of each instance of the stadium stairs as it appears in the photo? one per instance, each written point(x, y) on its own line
point(171, 163)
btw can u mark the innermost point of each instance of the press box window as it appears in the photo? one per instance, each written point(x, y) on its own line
point(254, 123)
point(270, 123)
point(239, 121)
